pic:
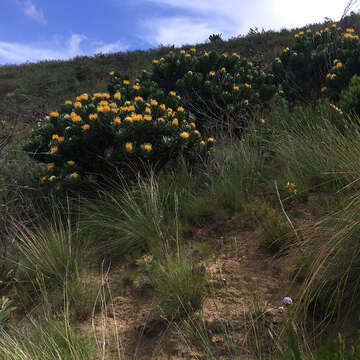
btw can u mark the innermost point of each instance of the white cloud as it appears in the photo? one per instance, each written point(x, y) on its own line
point(32, 11)
point(178, 31)
point(110, 48)
point(57, 49)
point(11, 53)
point(16, 53)
point(201, 18)
point(73, 45)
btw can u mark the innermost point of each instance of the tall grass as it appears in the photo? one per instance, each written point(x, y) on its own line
point(318, 147)
point(127, 219)
point(55, 251)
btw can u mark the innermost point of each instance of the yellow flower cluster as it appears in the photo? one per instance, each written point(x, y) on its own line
point(82, 97)
point(291, 187)
point(101, 95)
point(54, 114)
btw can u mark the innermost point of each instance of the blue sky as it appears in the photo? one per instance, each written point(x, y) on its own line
point(33, 30)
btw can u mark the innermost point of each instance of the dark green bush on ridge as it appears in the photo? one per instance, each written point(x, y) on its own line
point(220, 91)
point(320, 62)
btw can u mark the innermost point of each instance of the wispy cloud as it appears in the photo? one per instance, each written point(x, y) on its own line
point(58, 49)
point(110, 48)
point(201, 18)
point(73, 45)
point(30, 9)
point(16, 53)
point(178, 31)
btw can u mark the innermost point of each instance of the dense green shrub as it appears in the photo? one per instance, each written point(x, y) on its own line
point(320, 62)
point(100, 135)
point(219, 90)
point(350, 97)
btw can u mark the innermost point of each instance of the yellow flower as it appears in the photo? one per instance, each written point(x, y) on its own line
point(223, 69)
point(339, 65)
point(202, 142)
point(43, 179)
point(161, 119)
point(192, 124)
point(86, 127)
point(71, 162)
point(301, 33)
point(78, 104)
point(68, 102)
point(163, 107)
point(212, 73)
point(278, 59)
point(136, 87)
point(54, 114)
point(193, 50)
point(235, 54)
point(74, 175)
point(210, 139)
point(262, 121)
point(246, 102)
point(136, 117)
point(250, 63)
point(247, 85)
point(129, 119)
point(111, 73)
point(286, 49)
point(180, 109)
point(175, 122)
point(236, 88)
point(76, 118)
point(148, 110)
point(147, 117)
point(117, 95)
point(324, 88)
point(187, 55)
point(350, 30)
point(52, 178)
point(50, 166)
point(105, 108)
point(182, 51)
point(281, 92)
point(184, 135)
point(129, 146)
point(126, 82)
point(309, 30)
point(172, 93)
point(197, 132)
point(154, 102)
point(148, 147)
point(61, 139)
point(54, 149)
point(138, 98)
point(117, 120)
point(155, 61)
point(103, 103)
point(296, 35)
point(93, 116)
point(335, 61)
point(55, 136)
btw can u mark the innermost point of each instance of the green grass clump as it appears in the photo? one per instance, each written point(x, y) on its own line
point(180, 287)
